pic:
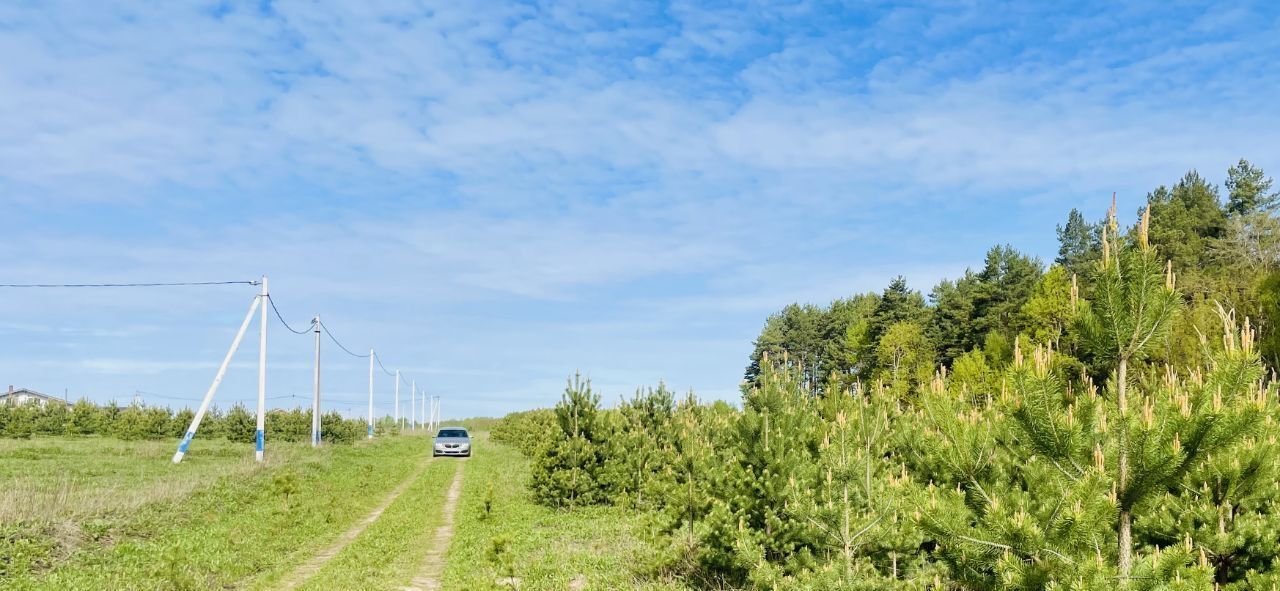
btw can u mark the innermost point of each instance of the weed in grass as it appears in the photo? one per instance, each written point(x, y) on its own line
point(285, 484)
point(500, 557)
point(487, 505)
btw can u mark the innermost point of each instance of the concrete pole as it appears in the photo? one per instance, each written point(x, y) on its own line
point(261, 434)
point(371, 359)
point(397, 409)
point(315, 392)
point(413, 406)
point(217, 380)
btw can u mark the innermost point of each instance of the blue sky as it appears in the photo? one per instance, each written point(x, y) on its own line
point(497, 194)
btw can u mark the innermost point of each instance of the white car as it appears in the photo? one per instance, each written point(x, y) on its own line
point(452, 441)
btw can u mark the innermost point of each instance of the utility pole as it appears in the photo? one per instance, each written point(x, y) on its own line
point(315, 393)
point(397, 409)
point(435, 412)
point(371, 359)
point(261, 433)
point(217, 379)
point(413, 406)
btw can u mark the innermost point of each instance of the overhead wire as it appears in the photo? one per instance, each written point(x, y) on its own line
point(179, 284)
point(339, 343)
point(270, 300)
point(384, 368)
point(282, 320)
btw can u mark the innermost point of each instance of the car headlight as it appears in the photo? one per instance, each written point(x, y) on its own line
point(439, 446)
point(466, 446)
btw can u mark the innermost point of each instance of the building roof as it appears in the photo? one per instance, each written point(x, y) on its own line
point(28, 393)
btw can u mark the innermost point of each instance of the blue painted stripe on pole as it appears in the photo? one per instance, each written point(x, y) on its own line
point(186, 441)
point(370, 430)
point(260, 439)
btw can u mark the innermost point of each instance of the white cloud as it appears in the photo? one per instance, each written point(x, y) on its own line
point(497, 193)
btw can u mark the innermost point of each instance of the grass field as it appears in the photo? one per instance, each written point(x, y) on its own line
point(93, 514)
point(214, 521)
point(546, 549)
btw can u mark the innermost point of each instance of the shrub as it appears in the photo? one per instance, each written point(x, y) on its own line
point(129, 424)
point(335, 429)
point(86, 418)
point(527, 431)
point(52, 419)
point(569, 471)
point(20, 420)
point(240, 425)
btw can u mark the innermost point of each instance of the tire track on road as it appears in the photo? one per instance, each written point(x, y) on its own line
point(309, 568)
point(428, 578)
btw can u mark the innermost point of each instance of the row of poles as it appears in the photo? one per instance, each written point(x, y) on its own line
point(429, 418)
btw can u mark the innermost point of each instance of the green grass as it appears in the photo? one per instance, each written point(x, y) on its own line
point(227, 523)
point(107, 514)
point(594, 548)
point(391, 550)
point(69, 479)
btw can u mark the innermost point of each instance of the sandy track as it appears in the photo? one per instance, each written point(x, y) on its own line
point(428, 578)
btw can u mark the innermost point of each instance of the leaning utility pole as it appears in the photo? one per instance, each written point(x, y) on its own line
point(217, 379)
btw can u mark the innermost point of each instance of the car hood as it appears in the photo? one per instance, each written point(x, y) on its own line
point(453, 440)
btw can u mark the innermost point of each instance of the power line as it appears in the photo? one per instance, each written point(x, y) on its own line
point(282, 321)
point(181, 284)
point(339, 344)
point(384, 368)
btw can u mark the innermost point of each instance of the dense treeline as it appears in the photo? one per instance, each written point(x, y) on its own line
point(156, 423)
point(1104, 423)
point(1225, 252)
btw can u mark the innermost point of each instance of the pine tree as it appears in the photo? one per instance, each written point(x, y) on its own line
point(690, 477)
point(898, 303)
point(53, 419)
point(1184, 220)
point(1133, 305)
point(860, 497)
point(1005, 283)
point(950, 326)
point(640, 446)
point(1248, 190)
point(769, 458)
point(1078, 244)
point(240, 425)
point(569, 471)
point(1229, 506)
point(86, 418)
point(1082, 466)
point(19, 420)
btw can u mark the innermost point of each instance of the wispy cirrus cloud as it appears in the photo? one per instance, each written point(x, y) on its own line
point(510, 190)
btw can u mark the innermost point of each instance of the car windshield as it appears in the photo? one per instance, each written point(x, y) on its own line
point(452, 433)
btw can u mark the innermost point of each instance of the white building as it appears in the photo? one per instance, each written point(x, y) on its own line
point(24, 396)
